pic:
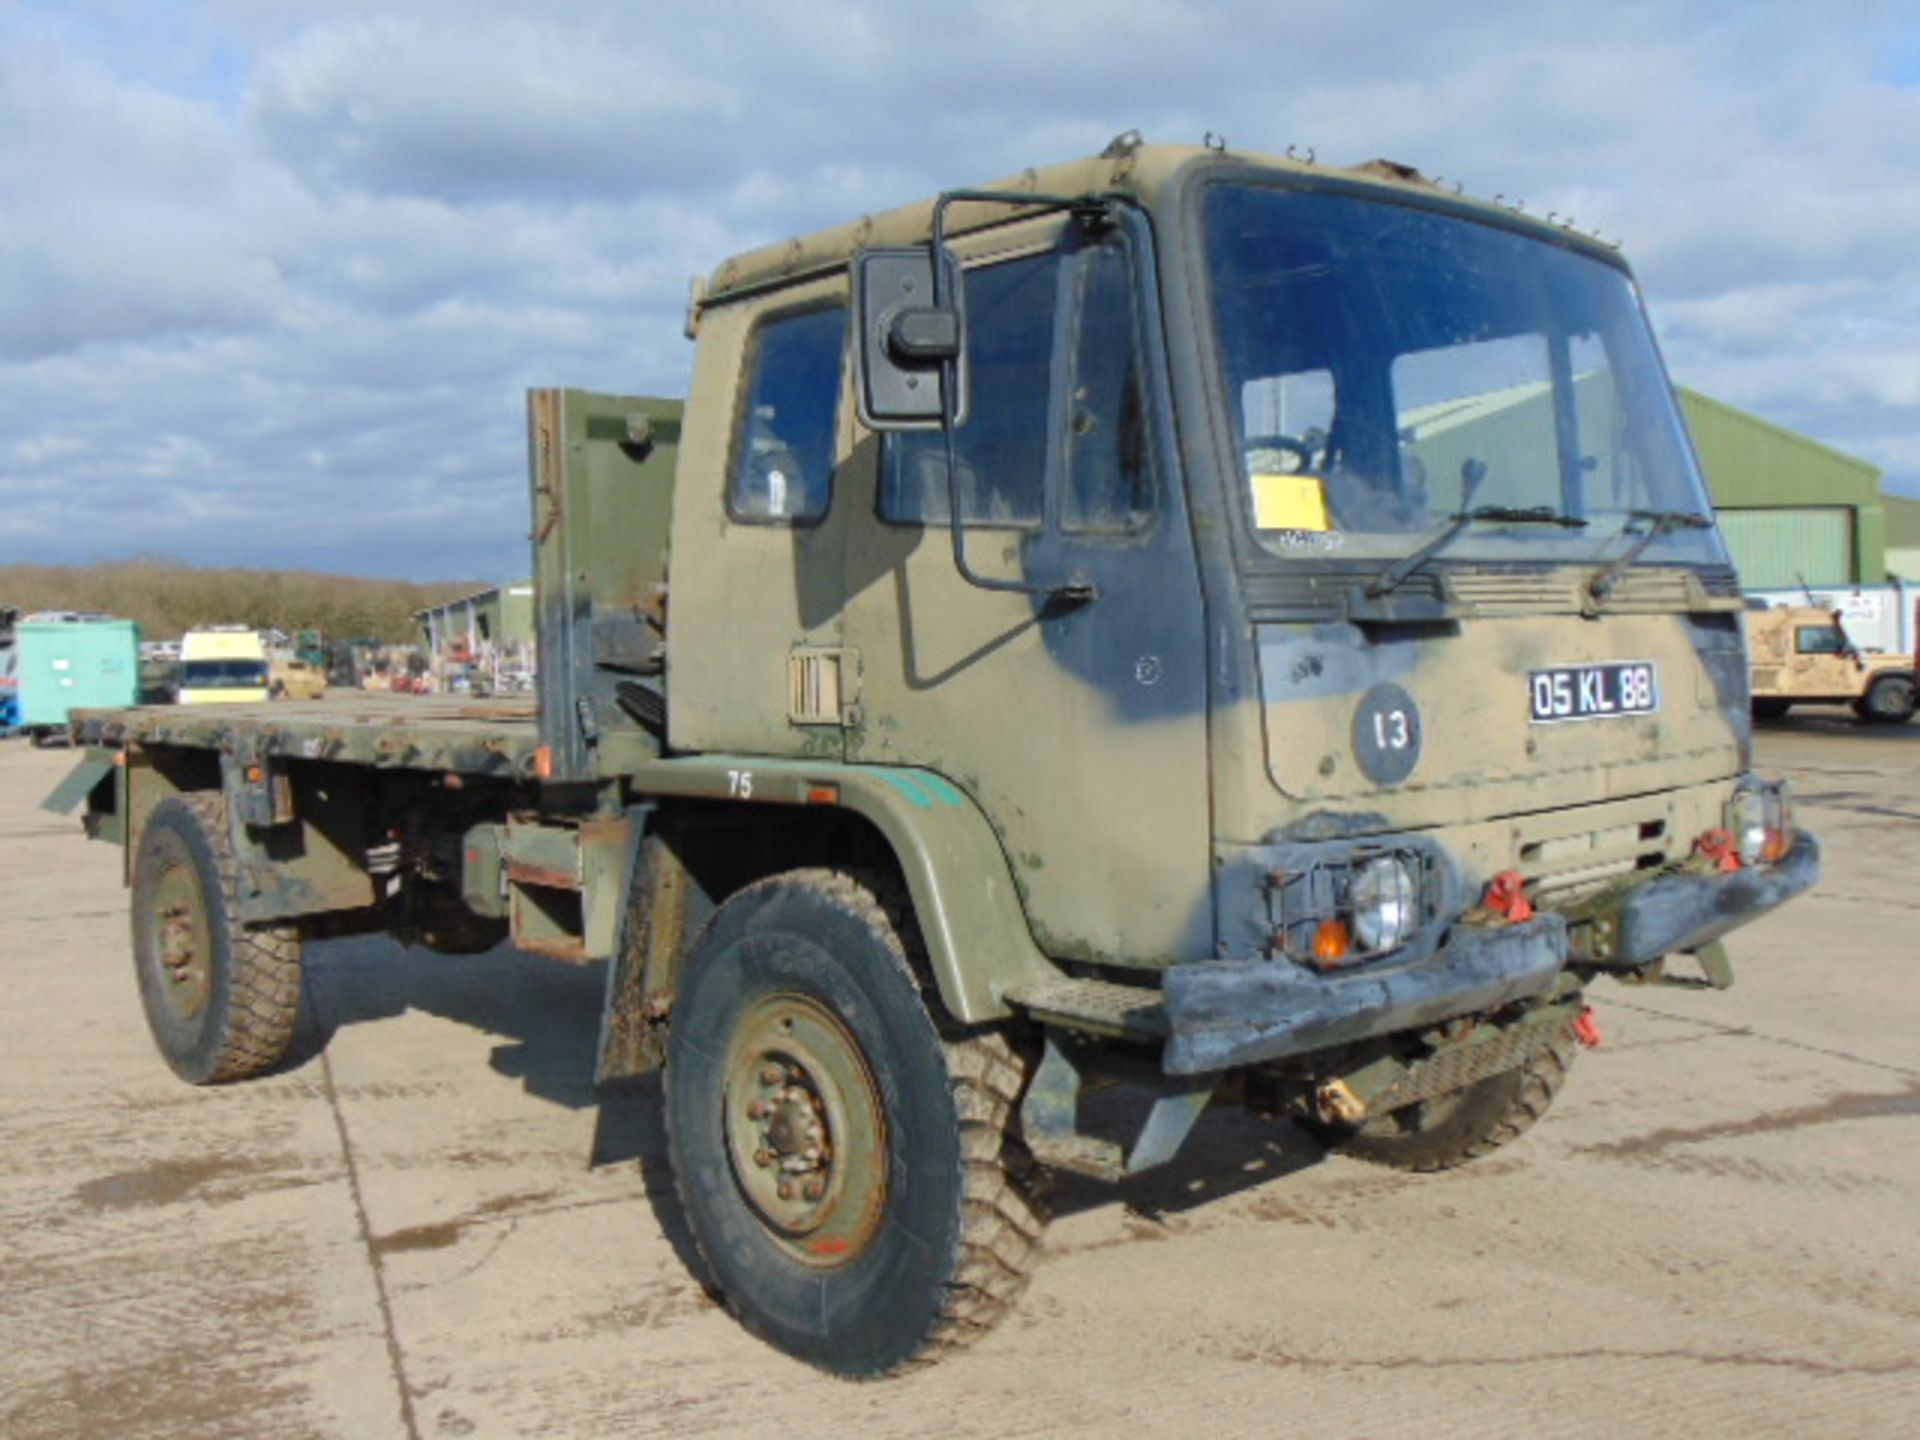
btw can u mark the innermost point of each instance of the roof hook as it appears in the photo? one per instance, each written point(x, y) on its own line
point(1213, 142)
point(1122, 145)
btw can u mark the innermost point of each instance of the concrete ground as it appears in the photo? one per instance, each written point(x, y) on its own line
point(430, 1225)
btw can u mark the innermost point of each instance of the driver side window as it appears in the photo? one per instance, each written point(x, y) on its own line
point(783, 447)
point(1819, 640)
point(1002, 447)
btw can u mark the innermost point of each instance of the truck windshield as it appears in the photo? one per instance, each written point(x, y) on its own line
point(1388, 368)
point(223, 675)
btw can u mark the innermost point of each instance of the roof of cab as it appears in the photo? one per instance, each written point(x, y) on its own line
point(1126, 165)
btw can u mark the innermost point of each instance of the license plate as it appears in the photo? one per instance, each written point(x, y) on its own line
point(1593, 692)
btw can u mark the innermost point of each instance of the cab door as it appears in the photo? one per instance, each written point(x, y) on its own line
point(1077, 725)
point(759, 521)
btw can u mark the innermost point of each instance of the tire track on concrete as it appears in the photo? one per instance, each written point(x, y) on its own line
point(1747, 1032)
point(396, 1355)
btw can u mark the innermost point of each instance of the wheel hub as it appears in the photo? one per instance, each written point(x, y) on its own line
point(180, 942)
point(805, 1129)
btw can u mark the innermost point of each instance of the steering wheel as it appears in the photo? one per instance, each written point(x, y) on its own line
point(1301, 452)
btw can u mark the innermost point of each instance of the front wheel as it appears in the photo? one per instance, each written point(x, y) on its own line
point(1449, 1130)
point(1890, 700)
point(845, 1171)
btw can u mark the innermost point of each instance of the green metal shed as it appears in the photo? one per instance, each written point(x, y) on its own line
point(1791, 509)
point(1903, 536)
point(493, 629)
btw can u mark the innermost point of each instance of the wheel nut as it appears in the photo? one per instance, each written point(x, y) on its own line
point(763, 1157)
point(815, 1188)
point(772, 1075)
point(786, 1189)
point(756, 1111)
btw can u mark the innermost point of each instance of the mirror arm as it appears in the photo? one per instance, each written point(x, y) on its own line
point(1074, 591)
point(1088, 207)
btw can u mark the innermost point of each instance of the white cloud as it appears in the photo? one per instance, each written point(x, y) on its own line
point(273, 278)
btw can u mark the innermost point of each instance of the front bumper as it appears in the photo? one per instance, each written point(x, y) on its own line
point(1684, 912)
point(1227, 1013)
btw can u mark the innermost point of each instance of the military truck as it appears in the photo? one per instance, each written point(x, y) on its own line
point(1803, 655)
point(1247, 629)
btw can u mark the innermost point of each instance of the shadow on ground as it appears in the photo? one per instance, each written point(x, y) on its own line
point(547, 1016)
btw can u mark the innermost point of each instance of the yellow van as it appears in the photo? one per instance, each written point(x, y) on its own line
point(221, 665)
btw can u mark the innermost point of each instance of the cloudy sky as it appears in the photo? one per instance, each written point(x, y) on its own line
point(275, 276)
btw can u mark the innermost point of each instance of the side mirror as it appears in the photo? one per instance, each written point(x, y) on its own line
point(905, 346)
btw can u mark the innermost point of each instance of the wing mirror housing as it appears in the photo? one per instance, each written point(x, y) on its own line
point(909, 345)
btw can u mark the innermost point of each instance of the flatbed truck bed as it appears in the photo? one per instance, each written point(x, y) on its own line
point(448, 734)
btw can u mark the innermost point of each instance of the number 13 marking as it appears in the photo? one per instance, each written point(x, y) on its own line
point(1390, 729)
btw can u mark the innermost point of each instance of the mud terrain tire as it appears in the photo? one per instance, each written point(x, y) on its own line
point(1888, 701)
point(1451, 1130)
point(799, 1014)
point(221, 996)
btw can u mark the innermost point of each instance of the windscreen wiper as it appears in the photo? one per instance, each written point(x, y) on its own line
point(1389, 579)
point(1662, 522)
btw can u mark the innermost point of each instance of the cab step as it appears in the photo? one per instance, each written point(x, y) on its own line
point(1098, 1007)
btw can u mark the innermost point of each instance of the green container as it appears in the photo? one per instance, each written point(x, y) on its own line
point(72, 665)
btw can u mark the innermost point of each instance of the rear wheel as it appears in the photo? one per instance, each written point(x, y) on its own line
point(221, 996)
point(1889, 700)
point(1449, 1130)
point(1768, 708)
point(845, 1170)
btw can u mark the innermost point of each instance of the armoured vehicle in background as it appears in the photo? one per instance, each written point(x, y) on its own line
point(1250, 629)
point(1803, 655)
point(292, 678)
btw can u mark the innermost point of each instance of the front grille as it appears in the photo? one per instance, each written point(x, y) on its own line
point(1563, 865)
point(1654, 589)
point(1515, 592)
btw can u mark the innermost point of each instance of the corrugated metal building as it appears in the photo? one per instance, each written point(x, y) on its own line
point(1793, 510)
point(1903, 536)
point(490, 628)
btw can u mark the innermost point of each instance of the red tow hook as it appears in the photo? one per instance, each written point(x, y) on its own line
point(1507, 899)
point(1716, 846)
point(1586, 1029)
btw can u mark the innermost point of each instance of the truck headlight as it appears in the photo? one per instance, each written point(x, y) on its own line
point(1779, 809)
point(1760, 820)
point(1747, 824)
point(1383, 899)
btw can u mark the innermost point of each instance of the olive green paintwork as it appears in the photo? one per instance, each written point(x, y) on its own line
point(439, 734)
point(968, 909)
point(601, 470)
point(1103, 782)
point(1117, 818)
